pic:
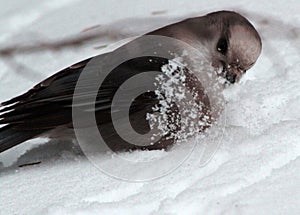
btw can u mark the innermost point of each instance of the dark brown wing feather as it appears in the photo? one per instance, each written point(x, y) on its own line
point(49, 104)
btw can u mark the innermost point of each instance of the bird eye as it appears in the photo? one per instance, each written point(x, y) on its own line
point(222, 46)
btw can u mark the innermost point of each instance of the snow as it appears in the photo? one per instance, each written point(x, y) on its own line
point(254, 171)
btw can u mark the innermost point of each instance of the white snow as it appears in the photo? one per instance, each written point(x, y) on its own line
point(254, 171)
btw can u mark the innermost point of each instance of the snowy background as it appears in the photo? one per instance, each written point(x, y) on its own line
point(255, 170)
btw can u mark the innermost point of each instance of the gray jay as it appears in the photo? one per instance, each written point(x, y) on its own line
point(232, 44)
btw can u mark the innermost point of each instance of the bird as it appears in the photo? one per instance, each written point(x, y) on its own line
point(232, 46)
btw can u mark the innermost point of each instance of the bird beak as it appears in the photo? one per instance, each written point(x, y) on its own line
point(233, 74)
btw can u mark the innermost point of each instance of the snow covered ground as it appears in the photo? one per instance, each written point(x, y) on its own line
point(255, 170)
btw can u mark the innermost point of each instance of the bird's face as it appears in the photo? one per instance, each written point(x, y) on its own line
point(227, 39)
point(236, 51)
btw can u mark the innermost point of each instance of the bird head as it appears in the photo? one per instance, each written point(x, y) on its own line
point(235, 46)
point(227, 39)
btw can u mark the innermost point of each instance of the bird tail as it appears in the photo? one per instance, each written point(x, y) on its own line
point(10, 136)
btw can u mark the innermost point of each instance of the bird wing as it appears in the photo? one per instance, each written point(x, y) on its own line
point(49, 103)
